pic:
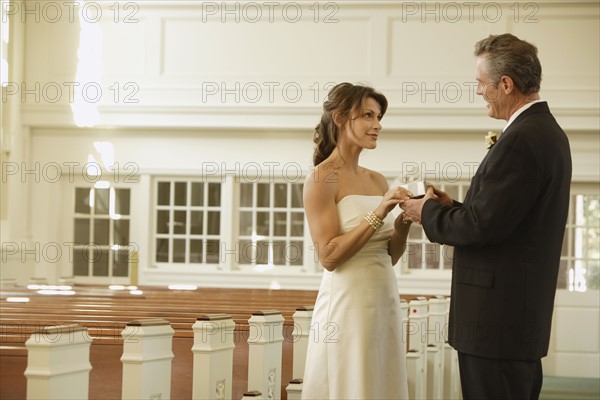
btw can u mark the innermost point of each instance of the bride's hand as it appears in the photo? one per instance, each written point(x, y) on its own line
point(402, 222)
point(390, 200)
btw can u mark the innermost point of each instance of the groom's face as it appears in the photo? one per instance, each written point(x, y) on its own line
point(495, 98)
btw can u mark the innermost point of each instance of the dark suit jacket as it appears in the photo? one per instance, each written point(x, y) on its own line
point(507, 236)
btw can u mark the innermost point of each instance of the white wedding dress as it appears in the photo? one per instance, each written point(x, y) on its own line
point(356, 349)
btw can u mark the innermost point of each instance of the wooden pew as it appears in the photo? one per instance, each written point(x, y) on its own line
point(105, 313)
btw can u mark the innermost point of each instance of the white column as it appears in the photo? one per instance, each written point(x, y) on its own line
point(452, 389)
point(404, 313)
point(265, 348)
point(213, 357)
point(435, 372)
point(438, 324)
point(58, 363)
point(415, 362)
point(417, 340)
point(294, 389)
point(414, 358)
point(147, 356)
point(436, 339)
point(302, 318)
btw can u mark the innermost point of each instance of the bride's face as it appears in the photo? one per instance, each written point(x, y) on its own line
point(364, 127)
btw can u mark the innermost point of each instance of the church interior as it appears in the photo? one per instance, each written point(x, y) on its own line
point(153, 161)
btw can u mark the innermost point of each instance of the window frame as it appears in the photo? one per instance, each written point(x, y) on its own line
point(444, 263)
point(229, 257)
point(132, 247)
point(230, 237)
point(272, 208)
point(185, 267)
point(571, 259)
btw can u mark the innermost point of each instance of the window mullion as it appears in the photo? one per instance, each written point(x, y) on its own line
point(288, 224)
point(171, 218)
point(91, 254)
point(254, 239)
point(188, 221)
point(228, 223)
point(111, 212)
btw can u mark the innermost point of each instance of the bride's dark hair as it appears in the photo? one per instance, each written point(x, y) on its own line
point(346, 100)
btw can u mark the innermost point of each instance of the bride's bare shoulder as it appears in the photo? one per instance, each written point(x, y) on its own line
point(377, 178)
point(324, 174)
point(322, 180)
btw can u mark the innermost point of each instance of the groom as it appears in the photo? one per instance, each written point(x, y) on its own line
point(508, 233)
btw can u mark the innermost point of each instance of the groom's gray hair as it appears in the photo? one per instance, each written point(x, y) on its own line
point(507, 55)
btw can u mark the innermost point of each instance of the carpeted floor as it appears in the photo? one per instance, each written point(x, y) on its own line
point(556, 388)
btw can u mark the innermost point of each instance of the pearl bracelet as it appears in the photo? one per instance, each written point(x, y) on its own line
point(373, 220)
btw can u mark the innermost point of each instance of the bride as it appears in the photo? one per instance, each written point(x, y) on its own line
point(356, 349)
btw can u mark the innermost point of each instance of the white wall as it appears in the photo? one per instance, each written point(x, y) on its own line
point(192, 82)
point(194, 65)
point(574, 342)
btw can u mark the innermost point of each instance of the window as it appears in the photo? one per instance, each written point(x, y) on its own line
point(262, 224)
point(580, 258)
point(187, 221)
point(420, 253)
point(271, 224)
point(101, 232)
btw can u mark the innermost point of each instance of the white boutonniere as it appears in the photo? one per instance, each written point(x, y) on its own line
point(490, 139)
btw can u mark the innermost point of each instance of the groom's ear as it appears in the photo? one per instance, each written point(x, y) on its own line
point(507, 84)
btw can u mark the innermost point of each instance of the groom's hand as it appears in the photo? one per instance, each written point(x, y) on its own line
point(442, 197)
point(413, 207)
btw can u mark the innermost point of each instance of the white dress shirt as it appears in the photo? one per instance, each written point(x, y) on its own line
point(519, 111)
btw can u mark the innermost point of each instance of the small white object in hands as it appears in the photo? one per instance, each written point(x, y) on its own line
point(418, 188)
